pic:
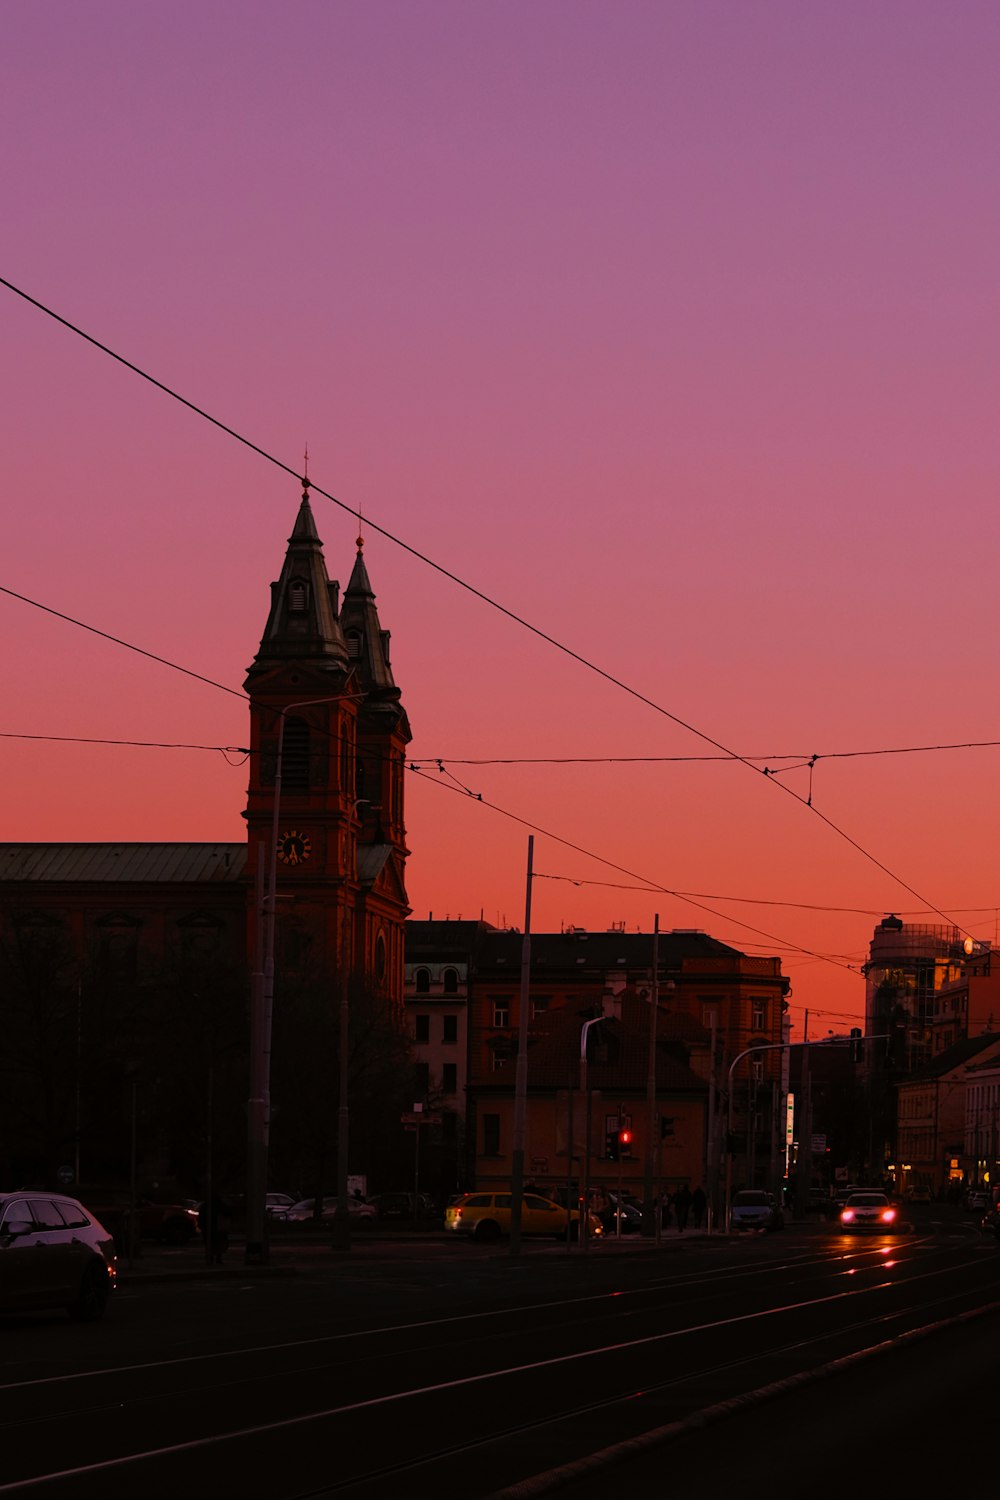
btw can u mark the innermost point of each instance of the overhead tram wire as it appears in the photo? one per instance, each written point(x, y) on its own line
point(245, 753)
point(654, 887)
point(476, 593)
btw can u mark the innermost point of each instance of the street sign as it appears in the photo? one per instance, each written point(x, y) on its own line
point(66, 1175)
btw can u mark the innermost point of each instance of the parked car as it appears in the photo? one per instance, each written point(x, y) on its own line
point(977, 1199)
point(486, 1216)
point(169, 1223)
point(818, 1201)
point(991, 1222)
point(629, 1211)
point(755, 1210)
point(362, 1215)
point(53, 1253)
point(866, 1210)
point(402, 1205)
point(919, 1195)
point(276, 1205)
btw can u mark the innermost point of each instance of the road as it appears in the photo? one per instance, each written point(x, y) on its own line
point(427, 1366)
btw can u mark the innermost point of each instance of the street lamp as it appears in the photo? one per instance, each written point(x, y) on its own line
point(761, 1047)
point(584, 1220)
point(261, 1007)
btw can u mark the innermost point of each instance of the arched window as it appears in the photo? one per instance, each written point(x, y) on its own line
point(380, 959)
point(354, 644)
point(295, 756)
point(450, 982)
point(422, 981)
point(298, 596)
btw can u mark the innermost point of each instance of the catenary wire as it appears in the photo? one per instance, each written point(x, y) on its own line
point(654, 887)
point(476, 593)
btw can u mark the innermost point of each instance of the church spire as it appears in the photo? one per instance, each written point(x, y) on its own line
point(367, 642)
point(302, 624)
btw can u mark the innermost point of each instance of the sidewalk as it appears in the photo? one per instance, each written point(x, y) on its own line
point(315, 1255)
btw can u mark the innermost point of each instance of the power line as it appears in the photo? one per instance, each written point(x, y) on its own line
point(658, 760)
point(653, 886)
point(117, 641)
point(471, 589)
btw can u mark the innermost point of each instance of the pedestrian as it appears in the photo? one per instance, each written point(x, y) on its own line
point(665, 1210)
point(682, 1206)
point(699, 1204)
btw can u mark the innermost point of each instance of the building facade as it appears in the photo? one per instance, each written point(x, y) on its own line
point(125, 966)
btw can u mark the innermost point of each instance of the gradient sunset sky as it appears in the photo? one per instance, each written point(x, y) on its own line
point(671, 327)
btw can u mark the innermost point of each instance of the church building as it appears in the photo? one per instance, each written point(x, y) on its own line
point(125, 967)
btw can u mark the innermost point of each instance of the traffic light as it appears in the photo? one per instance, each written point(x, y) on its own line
point(625, 1143)
point(855, 1044)
point(612, 1144)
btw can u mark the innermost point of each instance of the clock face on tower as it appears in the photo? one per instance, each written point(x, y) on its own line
point(293, 848)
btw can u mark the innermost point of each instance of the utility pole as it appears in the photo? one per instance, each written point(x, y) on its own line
point(803, 1166)
point(521, 1071)
point(652, 1134)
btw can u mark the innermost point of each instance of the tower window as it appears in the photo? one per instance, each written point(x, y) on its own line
point(298, 596)
point(354, 644)
point(295, 756)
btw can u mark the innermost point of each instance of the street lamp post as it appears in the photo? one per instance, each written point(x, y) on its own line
point(261, 1007)
point(584, 1220)
point(761, 1047)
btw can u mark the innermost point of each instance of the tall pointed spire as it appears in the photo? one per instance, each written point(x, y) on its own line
point(302, 624)
point(367, 642)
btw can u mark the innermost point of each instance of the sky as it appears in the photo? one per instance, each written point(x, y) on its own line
point(671, 328)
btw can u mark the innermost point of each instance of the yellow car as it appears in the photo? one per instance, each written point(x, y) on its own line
point(486, 1216)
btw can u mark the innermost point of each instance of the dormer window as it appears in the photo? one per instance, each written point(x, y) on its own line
point(298, 596)
point(354, 644)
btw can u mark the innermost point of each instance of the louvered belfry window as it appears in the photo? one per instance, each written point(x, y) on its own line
point(295, 756)
point(298, 596)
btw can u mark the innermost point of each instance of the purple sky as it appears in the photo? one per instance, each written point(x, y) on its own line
point(673, 327)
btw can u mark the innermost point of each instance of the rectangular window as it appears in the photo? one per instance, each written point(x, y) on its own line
point(491, 1135)
point(421, 1028)
point(501, 1011)
point(450, 1031)
point(421, 1080)
point(449, 1078)
point(539, 1006)
point(759, 1015)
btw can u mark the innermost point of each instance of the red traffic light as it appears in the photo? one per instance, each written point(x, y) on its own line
point(625, 1137)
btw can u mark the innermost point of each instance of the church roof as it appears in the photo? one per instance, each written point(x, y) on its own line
point(116, 863)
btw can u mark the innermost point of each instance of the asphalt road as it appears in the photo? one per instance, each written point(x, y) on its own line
point(420, 1366)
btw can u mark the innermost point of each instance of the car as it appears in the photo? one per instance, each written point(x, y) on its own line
point(977, 1199)
point(919, 1195)
point(403, 1205)
point(818, 1201)
point(754, 1210)
point(868, 1210)
point(486, 1216)
point(276, 1205)
point(54, 1253)
point(629, 1211)
point(991, 1222)
point(362, 1215)
point(169, 1223)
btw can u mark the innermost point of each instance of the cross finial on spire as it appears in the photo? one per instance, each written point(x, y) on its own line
point(305, 472)
point(361, 540)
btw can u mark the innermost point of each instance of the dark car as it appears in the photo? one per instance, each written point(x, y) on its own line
point(53, 1253)
point(754, 1212)
point(404, 1206)
point(169, 1223)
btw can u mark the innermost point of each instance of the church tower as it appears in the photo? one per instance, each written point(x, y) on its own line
point(331, 804)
